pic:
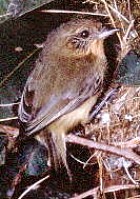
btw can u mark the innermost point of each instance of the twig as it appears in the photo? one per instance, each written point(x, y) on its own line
point(134, 197)
point(100, 164)
point(9, 130)
point(129, 9)
point(109, 189)
point(74, 12)
point(8, 119)
point(120, 187)
point(96, 154)
point(33, 186)
point(118, 13)
point(120, 19)
point(124, 152)
point(111, 18)
point(11, 104)
point(131, 25)
point(133, 143)
point(92, 192)
point(126, 168)
point(5, 15)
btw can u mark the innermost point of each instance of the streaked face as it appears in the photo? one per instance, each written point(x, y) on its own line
point(81, 37)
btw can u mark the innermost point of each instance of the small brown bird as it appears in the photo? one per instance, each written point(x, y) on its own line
point(65, 84)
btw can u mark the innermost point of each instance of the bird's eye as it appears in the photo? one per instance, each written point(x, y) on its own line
point(84, 34)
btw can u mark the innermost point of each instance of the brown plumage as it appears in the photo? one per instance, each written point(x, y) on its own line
point(64, 84)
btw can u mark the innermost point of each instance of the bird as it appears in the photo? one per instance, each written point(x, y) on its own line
point(64, 85)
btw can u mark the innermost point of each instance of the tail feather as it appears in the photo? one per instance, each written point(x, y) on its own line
point(61, 151)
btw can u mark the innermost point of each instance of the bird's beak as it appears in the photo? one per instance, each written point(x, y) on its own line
point(106, 33)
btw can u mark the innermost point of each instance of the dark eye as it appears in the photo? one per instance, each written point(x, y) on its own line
point(84, 34)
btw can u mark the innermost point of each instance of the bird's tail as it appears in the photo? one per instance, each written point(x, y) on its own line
point(59, 151)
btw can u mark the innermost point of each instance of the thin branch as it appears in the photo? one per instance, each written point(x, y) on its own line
point(131, 25)
point(92, 192)
point(109, 189)
point(118, 13)
point(126, 167)
point(11, 104)
point(8, 119)
point(9, 130)
point(5, 15)
point(74, 12)
point(33, 186)
point(133, 143)
point(129, 9)
point(111, 18)
point(124, 152)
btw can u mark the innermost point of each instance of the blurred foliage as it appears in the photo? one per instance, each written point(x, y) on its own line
point(15, 8)
point(34, 156)
point(30, 160)
point(3, 6)
point(129, 69)
point(3, 142)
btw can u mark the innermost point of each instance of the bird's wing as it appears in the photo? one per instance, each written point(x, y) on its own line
point(34, 119)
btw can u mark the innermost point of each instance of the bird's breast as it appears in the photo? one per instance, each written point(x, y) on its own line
point(80, 115)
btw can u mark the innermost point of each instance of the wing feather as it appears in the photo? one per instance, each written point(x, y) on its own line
point(35, 119)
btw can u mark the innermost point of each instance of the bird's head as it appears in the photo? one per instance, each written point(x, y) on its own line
point(78, 38)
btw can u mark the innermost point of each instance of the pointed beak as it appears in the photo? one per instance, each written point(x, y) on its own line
point(106, 33)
